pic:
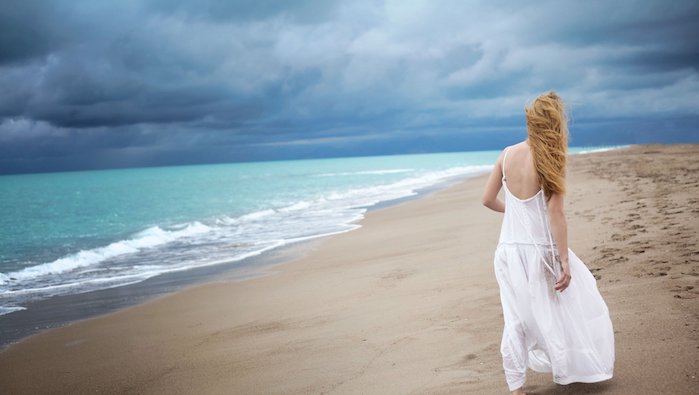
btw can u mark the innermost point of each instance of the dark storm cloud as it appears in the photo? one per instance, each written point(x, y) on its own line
point(27, 31)
point(119, 83)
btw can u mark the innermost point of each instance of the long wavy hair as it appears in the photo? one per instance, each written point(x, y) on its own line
point(547, 126)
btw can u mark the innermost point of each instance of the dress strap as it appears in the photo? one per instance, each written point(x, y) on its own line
point(503, 163)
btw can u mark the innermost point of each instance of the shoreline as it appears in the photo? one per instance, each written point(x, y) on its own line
point(408, 302)
point(62, 310)
point(59, 310)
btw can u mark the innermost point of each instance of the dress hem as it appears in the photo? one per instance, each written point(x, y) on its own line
point(517, 384)
point(584, 379)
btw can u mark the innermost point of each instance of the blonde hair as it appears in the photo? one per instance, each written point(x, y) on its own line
point(547, 126)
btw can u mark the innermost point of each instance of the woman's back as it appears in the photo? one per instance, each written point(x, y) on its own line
point(522, 180)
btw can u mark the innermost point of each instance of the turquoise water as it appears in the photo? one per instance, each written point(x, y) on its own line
point(80, 231)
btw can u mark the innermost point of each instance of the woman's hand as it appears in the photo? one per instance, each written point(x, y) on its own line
point(564, 281)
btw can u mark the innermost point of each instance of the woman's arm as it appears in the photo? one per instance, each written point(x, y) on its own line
point(559, 232)
point(492, 187)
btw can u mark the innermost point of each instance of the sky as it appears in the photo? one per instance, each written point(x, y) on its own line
point(108, 84)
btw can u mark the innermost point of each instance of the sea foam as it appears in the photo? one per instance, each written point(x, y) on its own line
point(148, 238)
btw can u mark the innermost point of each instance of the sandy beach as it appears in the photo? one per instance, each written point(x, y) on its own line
point(408, 303)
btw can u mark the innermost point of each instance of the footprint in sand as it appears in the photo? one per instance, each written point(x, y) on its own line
point(619, 237)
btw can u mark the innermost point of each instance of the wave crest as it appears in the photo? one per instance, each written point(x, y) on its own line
point(151, 237)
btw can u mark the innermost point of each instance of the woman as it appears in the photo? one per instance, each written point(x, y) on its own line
point(555, 319)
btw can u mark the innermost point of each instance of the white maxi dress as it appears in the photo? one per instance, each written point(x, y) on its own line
point(566, 333)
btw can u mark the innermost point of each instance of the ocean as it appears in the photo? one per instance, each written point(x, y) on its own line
point(76, 232)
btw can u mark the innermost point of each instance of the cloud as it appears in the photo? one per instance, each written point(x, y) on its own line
point(258, 74)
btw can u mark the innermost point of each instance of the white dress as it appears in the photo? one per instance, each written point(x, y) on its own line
point(567, 333)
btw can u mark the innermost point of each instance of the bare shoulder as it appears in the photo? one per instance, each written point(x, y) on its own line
point(517, 146)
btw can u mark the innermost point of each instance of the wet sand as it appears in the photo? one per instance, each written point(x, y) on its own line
point(408, 303)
